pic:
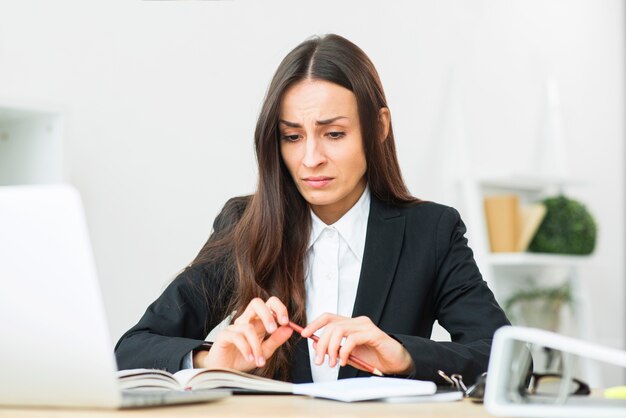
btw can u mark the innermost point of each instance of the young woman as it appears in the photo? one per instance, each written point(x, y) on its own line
point(331, 239)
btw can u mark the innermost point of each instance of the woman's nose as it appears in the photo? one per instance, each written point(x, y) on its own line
point(313, 153)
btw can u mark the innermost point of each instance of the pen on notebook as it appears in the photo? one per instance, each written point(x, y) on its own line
point(351, 358)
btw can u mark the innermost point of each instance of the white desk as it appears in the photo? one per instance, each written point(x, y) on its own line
point(271, 407)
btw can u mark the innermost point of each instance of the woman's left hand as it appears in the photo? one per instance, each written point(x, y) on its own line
point(363, 339)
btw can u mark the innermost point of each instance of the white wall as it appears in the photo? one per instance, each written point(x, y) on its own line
point(162, 99)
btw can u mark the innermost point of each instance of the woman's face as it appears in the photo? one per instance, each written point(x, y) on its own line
point(322, 147)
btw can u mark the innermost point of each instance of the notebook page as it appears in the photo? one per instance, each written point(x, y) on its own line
point(365, 388)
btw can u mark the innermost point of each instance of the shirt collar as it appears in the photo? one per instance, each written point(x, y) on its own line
point(352, 226)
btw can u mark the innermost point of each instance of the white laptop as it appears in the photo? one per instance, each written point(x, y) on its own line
point(55, 349)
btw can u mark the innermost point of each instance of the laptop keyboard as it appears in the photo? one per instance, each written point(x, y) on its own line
point(143, 398)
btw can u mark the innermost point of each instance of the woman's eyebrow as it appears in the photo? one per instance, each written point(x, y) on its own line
point(318, 122)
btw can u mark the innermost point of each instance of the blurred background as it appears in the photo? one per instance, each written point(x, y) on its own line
point(149, 108)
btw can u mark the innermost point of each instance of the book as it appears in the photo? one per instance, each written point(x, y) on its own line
point(511, 226)
point(199, 379)
point(503, 222)
point(531, 218)
point(346, 390)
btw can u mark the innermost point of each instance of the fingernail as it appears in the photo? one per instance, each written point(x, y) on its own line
point(272, 327)
point(251, 358)
point(261, 361)
point(284, 320)
point(318, 359)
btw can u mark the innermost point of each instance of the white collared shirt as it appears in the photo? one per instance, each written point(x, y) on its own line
point(334, 259)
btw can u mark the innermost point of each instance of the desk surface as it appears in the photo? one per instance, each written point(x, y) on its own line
point(270, 406)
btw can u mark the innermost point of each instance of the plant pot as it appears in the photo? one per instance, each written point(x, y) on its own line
point(541, 313)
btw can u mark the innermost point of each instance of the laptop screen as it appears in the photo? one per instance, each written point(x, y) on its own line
point(55, 345)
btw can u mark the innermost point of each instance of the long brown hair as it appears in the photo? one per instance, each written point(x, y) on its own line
point(262, 250)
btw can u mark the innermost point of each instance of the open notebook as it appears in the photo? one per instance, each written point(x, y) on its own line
point(56, 350)
point(346, 390)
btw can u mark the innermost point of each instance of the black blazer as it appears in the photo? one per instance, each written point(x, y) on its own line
point(417, 268)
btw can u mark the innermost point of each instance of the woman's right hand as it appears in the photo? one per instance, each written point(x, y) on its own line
point(251, 339)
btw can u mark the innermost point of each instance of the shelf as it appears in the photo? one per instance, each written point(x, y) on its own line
point(524, 183)
point(536, 259)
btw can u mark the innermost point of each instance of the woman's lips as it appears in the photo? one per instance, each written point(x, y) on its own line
point(317, 182)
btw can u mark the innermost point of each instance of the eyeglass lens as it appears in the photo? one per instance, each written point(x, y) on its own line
point(552, 385)
point(549, 373)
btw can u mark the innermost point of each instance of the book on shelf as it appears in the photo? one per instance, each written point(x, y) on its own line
point(346, 390)
point(530, 220)
point(502, 213)
point(511, 227)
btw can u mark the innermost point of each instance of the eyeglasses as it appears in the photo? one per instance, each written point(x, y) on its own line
point(549, 386)
point(552, 384)
point(546, 385)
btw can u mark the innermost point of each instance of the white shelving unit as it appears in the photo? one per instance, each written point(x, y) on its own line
point(535, 260)
point(31, 144)
point(529, 189)
point(507, 272)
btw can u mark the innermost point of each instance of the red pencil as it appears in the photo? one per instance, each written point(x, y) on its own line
point(351, 358)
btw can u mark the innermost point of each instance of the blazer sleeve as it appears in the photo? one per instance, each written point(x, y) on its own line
point(179, 320)
point(171, 327)
point(464, 306)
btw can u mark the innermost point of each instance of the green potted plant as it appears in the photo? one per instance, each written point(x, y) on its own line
point(567, 228)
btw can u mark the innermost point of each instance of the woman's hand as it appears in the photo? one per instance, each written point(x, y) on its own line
point(363, 339)
point(245, 344)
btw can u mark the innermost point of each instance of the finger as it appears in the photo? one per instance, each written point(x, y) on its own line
point(248, 331)
point(257, 309)
point(334, 344)
point(279, 309)
point(349, 344)
point(320, 322)
point(247, 314)
point(352, 341)
point(275, 340)
point(239, 341)
point(322, 344)
point(362, 332)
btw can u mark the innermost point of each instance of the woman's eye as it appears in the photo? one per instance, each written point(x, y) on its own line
point(290, 138)
point(336, 135)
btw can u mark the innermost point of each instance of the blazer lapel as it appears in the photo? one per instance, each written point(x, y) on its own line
point(383, 243)
point(300, 365)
